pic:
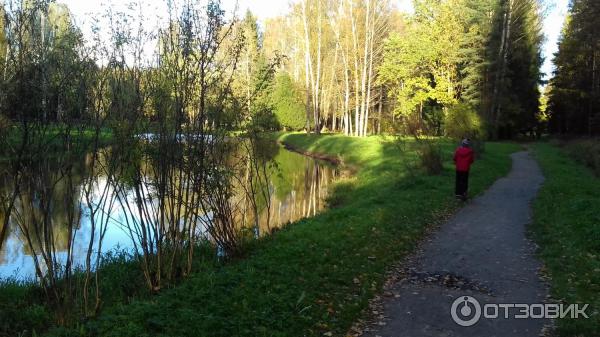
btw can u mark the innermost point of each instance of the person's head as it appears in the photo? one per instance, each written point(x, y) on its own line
point(465, 142)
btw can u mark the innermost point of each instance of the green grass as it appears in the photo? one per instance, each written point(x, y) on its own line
point(20, 308)
point(567, 227)
point(54, 132)
point(316, 275)
point(586, 151)
point(52, 139)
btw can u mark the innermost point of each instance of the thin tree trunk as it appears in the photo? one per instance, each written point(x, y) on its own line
point(593, 96)
point(364, 72)
point(328, 99)
point(370, 79)
point(379, 108)
point(356, 72)
point(496, 107)
point(317, 82)
point(307, 64)
point(346, 121)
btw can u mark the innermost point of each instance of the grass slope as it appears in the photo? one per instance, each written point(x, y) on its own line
point(567, 227)
point(317, 275)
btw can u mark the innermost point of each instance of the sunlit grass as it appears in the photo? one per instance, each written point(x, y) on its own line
point(567, 227)
point(317, 275)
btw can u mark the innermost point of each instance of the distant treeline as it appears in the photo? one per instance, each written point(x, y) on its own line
point(456, 67)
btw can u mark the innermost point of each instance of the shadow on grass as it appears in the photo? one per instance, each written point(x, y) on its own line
point(566, 225)
point(317, 275)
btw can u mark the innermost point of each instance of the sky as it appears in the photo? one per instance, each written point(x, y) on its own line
point(553, 22)
point(264, 9)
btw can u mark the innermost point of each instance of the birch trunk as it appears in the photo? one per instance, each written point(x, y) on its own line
point(356, 71)
point(363, 81)
point(316, 84)
point(370, 78)
point(379, 109)
point(307, 65)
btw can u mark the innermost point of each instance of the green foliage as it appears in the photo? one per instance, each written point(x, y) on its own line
point(464, 52)
point(587, 152)
point(462, 121)
point(575, 88)
point(262, 115)
point(430, 154)
point(20, 310)
point(48, 80)
point(419, 65)
point(567, 227)
point(472, 55)
point(254, 80)
point(315, 276)
point(263, 120)
point(514, 53)
point(440, 60)
point(288, 105)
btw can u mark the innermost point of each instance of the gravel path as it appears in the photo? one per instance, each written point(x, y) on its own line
point(481, 252)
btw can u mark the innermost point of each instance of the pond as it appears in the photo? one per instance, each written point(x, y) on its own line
point(297, 186)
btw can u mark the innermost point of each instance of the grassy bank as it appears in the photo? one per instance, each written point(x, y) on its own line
point(315, 276)
point(567, 227)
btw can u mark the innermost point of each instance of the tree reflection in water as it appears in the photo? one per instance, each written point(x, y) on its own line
point(297, 187)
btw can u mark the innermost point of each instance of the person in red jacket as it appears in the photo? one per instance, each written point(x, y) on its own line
point(463, 158)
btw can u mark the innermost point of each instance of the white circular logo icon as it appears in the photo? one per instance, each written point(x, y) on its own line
point(465, 311)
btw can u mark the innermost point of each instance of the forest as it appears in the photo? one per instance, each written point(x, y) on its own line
point(354, 67)
point(358, 68)
point(573, 94)
point(166, 126)
point(452, 68)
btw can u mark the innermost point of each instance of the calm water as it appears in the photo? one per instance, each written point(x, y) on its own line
point(298, 186)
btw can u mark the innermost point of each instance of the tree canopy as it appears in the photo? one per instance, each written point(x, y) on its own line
point(574, 95)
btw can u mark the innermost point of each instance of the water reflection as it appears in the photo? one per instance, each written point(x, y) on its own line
point(297, 187)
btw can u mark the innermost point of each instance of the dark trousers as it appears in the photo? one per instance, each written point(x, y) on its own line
point(462, 183)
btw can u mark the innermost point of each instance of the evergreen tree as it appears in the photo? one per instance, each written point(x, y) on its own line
point(288, 103)
point(575, 88)
point(473, 59)
point(512, 94)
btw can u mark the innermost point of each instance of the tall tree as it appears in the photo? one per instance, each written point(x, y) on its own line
point(333, 49)
point(421, 66)
point(251, 52)
point(3, 44)
point(477, 16)
point(574, 98)
point(515, 54)
point(312, 19)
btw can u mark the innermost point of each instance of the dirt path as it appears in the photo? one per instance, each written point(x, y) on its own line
point(481, 252)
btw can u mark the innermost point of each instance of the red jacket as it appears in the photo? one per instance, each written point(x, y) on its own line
point(463, 158)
